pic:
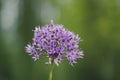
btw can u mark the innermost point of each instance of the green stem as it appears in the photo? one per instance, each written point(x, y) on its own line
point(51, 69)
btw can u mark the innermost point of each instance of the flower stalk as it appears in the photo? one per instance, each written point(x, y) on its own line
point(51, 70)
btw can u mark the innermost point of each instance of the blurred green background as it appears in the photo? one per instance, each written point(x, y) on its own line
point(96, 21)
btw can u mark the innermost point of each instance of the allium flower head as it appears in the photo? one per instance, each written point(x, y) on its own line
point(56, 43)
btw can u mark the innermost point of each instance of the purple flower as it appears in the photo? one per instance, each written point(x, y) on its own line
point(56, 43)
point(30, 49)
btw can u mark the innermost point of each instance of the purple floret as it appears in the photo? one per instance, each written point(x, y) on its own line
point(56, 43)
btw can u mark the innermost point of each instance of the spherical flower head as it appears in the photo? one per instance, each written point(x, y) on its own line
point(56, 43)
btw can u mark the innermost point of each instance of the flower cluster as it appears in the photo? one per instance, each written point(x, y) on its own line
point(56, 43)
